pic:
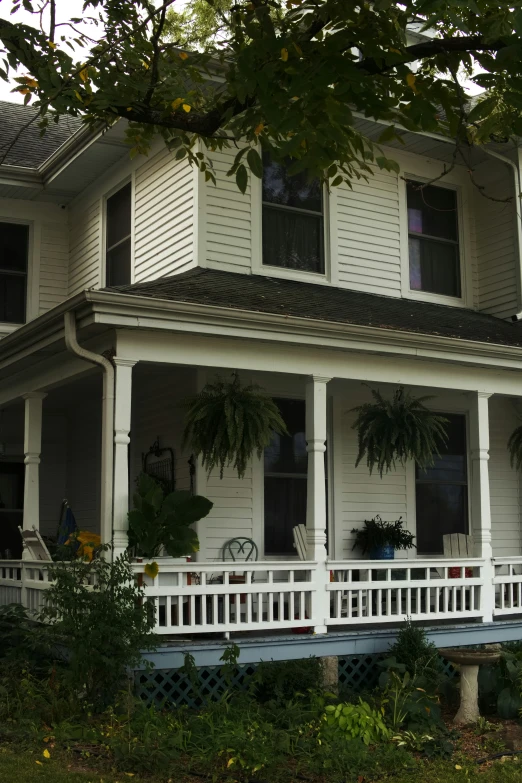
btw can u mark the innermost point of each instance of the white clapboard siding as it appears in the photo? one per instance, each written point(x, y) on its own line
point(503, 480)
point(157, 411)
point(367, 235)
point(228, 224)
point(495, 242)
point(362, 496)
point(54, 264)
point(83, 461)
point(164, 217)
point(232, 514)
point(84, 247)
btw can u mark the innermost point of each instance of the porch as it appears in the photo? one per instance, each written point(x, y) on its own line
point(333, 589)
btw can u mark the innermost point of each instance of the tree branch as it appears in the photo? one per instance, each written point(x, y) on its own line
point(427, 49)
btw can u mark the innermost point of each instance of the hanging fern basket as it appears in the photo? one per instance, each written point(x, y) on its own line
point(227, 423)
point(393, 431)
point(515, 448)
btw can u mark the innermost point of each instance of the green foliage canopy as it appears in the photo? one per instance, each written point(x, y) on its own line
point(290, 75)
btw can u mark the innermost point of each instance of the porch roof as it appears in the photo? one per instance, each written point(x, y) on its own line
point(318, 302)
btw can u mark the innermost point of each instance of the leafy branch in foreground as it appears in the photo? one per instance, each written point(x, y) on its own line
point(290, 76)
point(391, 431)
point(227, 423)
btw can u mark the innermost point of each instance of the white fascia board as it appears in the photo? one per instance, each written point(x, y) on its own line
point(121, 310)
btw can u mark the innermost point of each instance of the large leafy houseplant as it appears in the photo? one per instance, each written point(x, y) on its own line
point(391, 431)
point(226, 423)
point(377, 534)
point(160, 521)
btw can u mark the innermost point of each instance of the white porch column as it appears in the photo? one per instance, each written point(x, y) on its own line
point(32, 451)
point(122, 425)
point(316, 400)
point(480, 500)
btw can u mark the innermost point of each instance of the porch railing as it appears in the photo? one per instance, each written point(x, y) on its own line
point(210, 597)
point(508, 585)
point(387, 591)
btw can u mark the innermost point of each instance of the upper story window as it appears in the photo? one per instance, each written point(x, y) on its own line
point(293, 222)
point(118, 233)
point(433, 240)
point(14, 250)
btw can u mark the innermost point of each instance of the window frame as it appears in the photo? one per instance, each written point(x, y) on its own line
point(424, 172)
point(106, 196)
point(32, 292)
point(258, 267)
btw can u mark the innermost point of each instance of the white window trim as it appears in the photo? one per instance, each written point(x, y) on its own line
point(103, 233)
point(32, 294)
point(423, 170)
point(258, 268)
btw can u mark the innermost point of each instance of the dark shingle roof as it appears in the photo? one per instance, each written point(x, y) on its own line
point(324, 303)
point(30, 149)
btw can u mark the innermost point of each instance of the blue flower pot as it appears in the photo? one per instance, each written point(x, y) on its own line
point(383, 553)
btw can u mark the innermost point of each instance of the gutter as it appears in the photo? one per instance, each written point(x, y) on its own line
point(107, 451)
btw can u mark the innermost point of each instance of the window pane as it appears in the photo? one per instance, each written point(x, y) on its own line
point(14, 243)
point(119, 263)
point(119, 215)
point(287, 453)
point(442, 492)
point(441, 509)
point(292, 240)
point(434, 266)
point(432, 211)
point(296, 191)
point(12, 298)
point(285, 507)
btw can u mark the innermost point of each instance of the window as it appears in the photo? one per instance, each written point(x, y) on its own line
point(433, 240)
point(286, 464)
point(293, 225)
point(118, 230)
point(14, 249)
point(442, 491)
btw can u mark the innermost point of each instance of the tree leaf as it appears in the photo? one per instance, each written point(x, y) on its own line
point(242, 178)
point(255, 163)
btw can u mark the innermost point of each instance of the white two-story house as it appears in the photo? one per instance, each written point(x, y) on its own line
point(126, 285)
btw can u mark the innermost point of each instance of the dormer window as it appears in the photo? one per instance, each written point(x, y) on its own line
point(14, 250)
point(293, 220)
point(433, 240)
point(118, 237)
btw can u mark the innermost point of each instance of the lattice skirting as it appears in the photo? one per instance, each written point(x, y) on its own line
point(175, 686)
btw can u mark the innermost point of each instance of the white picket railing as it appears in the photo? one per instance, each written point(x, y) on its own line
point(10, 582)
point(508, 585)
point(210, 597)
point(206, 597)
point(380, 591)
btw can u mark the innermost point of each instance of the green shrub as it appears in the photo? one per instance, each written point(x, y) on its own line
point(286, 680)
point(416, 653)
point(101, 630)
point(356, 721)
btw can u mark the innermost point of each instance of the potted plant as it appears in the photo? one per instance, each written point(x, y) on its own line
point(379, 539)
point(227, 423)
point(396, 430)
point(162, 523)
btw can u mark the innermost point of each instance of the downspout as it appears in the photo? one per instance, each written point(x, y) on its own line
point(107, 451)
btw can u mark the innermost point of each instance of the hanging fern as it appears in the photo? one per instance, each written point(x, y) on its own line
point(395, 430)
point(226, 423)
point(515, 448)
